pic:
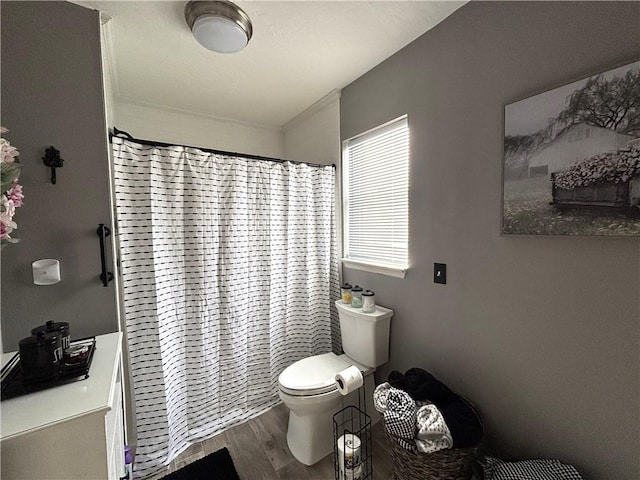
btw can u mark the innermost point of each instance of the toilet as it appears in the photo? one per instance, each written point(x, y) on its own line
point(308, 387)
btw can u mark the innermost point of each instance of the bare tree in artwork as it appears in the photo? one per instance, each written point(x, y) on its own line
point(612, 104)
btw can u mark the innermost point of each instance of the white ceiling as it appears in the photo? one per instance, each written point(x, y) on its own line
point(300, 51)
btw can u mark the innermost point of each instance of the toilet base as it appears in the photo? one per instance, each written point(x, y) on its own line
point(310, 437)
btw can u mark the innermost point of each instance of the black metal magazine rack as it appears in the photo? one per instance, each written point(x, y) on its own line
point(352, 455)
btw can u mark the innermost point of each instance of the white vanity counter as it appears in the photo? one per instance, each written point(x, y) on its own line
point(71, 431)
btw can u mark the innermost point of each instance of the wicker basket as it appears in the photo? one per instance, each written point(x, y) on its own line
point(448, 464)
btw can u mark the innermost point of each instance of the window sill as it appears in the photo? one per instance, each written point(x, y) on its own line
point(375, 268)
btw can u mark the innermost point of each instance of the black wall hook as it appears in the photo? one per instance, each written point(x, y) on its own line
point(52, 159)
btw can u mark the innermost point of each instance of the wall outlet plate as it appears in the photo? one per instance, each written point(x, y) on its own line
point(440, 273)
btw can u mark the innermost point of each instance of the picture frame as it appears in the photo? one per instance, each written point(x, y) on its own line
point(571, 158)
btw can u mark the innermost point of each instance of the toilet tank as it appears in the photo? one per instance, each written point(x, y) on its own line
point(365, 336)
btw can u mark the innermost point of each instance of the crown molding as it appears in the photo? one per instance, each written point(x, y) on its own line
point(140, 103)
point(321, 104)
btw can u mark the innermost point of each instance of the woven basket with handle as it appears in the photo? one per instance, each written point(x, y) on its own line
point(447, 464)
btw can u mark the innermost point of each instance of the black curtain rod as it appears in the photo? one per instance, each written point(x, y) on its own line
point(152, 143)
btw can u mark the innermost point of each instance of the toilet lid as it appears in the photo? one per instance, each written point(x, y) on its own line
point(312, 375)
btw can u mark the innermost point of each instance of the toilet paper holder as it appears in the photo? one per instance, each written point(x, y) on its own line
point(352, 442)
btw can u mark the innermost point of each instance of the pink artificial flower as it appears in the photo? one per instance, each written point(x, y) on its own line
point(7, 152)
point(15, 195)
point(7, 208)
point(4, 231)
point(7, 225)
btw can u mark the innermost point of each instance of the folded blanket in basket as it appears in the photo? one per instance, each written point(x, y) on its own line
point(463, 423)
point(433, 433)
point(399, 414)
point(465, 426)
point(496, 469)
point(421, 385)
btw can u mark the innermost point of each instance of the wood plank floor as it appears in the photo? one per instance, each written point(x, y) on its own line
point(259, 451)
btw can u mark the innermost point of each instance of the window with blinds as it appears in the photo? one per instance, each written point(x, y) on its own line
point(376, 197)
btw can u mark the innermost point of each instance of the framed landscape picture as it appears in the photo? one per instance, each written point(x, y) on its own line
point(572, 158)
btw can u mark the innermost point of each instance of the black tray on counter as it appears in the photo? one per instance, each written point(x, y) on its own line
point(13, 384)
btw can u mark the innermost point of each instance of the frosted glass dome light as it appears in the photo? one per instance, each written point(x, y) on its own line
point(219, 26)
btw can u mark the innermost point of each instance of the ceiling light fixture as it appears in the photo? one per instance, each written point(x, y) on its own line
point(218, 25)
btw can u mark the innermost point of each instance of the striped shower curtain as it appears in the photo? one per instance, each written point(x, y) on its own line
point(229, 270)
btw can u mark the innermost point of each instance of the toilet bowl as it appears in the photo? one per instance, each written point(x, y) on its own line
point(309, 391)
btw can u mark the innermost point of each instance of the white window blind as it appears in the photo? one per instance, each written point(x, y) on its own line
point(376, 196)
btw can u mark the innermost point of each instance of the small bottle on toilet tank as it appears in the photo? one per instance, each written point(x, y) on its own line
point(345, 291)
point(368, 301)
point(356, 297)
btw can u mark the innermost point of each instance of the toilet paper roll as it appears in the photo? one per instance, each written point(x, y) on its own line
point(352, 473)
point(348, 453)
point(349, 380)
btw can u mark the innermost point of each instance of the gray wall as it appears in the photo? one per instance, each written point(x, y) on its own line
point(52, 95)
point(542, 333)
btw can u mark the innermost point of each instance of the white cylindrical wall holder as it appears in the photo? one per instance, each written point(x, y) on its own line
point(46, 271)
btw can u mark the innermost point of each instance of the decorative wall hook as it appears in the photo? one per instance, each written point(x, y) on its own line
point(52, 159)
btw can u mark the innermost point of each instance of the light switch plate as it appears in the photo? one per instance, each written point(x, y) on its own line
point(440, 273)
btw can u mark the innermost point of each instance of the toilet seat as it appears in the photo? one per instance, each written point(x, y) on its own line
point(313, 375)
